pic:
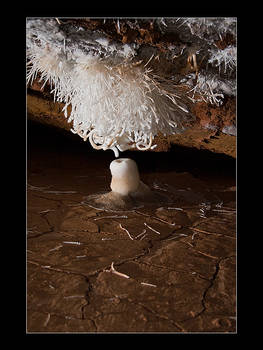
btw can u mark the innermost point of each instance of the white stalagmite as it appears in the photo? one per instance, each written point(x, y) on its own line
point(117, 102)
point(125, 176)
point(127, 190)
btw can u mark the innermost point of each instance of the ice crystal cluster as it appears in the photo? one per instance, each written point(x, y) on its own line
point(226, 58)
point(112, 94)
point(210, 28)
point(217, 76)
point(210, 88)
point(113, 100)
point(209, 85)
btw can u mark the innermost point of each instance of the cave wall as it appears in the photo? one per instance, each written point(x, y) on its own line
point(196, 54)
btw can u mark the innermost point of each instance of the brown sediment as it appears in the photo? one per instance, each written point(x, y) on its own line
point(46, 111)
point(180, 259)
point(215, 116)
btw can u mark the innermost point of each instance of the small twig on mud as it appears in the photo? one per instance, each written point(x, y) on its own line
point(152, 229)
point(56, 248)
point(195, 233)
point(36, 188)
point(169, 239)
point(203, 231)
point(112, 217)
point(143, 237)
point(33, 262)
point(176, 236)
point(128, 233)
point(187, 243)
point(198, 251)
point(148, 284)
point(223, 211)
point(140, 234)
point(112, 270)
point(76, 243)
point(45, 211)
point(171, 208)
point(210, 233)
point(210, 256)
point(166, 222)
point(47, 320)
point(154, 217)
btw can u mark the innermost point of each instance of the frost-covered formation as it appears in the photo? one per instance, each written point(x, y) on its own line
point(116, 102)
point(217, 74)
point(210, 28)
point(209, 88)
point(226, 58)
point(120, 96)
point(209, 85)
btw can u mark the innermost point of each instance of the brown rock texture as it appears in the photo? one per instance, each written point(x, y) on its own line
point(169, 269)
point(43, 109)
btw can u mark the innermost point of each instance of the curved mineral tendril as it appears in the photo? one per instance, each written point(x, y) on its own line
point(145, 146)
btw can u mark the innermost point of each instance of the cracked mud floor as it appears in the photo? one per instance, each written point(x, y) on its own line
point(166, 269)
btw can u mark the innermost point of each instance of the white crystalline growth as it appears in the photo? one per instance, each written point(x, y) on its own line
point(115, 103)
point(211, 89)
point(230, 130)
point(226, 58)
point(209, 26)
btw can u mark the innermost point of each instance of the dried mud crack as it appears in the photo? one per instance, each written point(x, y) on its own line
point(211, 280)
point(169, 269)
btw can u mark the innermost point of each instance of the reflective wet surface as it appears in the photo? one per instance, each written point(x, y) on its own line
point(168, 267)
